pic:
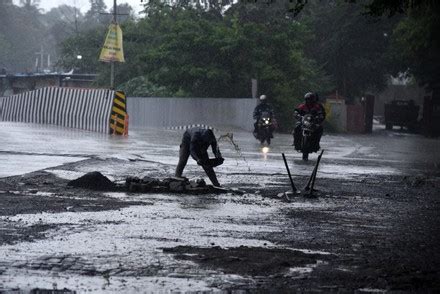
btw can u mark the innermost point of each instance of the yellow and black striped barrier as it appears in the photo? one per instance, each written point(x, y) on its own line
point(119, 115)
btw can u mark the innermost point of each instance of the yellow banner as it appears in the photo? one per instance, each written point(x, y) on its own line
point(112, 49)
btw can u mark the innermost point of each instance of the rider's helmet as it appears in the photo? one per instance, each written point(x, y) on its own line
point(263, 98)
point(310, 97)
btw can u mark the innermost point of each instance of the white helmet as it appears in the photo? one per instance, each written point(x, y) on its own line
point(263, 97)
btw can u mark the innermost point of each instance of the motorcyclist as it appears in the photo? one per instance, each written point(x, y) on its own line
point(262, 107)
point(312, 106)
point(195, 142)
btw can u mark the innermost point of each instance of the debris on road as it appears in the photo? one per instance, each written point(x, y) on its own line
point(173, 185)
point(93, 181)
point(98, 182)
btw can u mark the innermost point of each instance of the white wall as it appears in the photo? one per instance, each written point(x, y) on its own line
point(171, 112)
point(337, 114)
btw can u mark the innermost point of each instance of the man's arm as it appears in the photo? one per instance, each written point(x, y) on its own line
point(216, 150)
point(321, 113)
point(270, 110)
point(256, 112)
point(218, 156)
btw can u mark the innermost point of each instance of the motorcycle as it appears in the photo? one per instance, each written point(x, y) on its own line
point(265, 128)
point(308, 136)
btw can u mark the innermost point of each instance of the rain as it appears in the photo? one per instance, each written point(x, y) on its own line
point(219, 147)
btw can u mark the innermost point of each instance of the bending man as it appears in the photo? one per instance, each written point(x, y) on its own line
point(195, 142)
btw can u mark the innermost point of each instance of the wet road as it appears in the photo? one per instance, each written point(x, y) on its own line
point(120, 250)
point(26, 148)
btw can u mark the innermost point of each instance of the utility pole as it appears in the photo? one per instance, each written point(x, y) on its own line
point(112, 63)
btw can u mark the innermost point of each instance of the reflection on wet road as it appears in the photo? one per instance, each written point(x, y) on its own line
point(381, 153)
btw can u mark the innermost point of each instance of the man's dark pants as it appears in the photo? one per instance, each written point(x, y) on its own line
point(184, 154)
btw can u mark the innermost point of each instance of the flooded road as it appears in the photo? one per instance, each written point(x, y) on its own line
point(371, 188)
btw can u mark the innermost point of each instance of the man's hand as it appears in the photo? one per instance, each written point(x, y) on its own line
point(216, 161)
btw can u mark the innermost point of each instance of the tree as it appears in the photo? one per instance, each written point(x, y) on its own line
point(125, 12)
point(5, 50)
point(88, 45)
point(416, 46)
point(23, 33)
point(94, 16)
point(198, 52)
point(30, 4)
point(350, 46)
point(141, 87)
point(60, 23)
point(66, 18)
point(390, 8)
point(207, 55)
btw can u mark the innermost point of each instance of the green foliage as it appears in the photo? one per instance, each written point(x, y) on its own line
point(5, 46)
point(88, 45)
point(416, 46)
point(94, 16)
point(390, 8)
point(142, 87)
point(198, 53)
point(22, 33)
point(350, 46)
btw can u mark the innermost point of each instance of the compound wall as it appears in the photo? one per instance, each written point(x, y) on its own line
point(98, 110)
point(172, 112)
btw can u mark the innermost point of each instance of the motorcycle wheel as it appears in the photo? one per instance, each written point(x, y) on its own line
point(305, 148)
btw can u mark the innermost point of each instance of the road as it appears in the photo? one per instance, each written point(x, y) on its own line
point(371, 188)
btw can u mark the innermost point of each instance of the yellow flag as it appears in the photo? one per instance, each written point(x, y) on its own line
point(112, 49)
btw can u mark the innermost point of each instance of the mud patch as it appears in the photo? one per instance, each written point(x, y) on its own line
point(12, 232)
point(247, 261)
point(51, 291)
point(94, 181)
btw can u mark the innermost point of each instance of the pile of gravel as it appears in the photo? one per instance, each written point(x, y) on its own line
point(93, 181)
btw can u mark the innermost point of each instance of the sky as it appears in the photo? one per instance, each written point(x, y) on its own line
point(84, 5)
